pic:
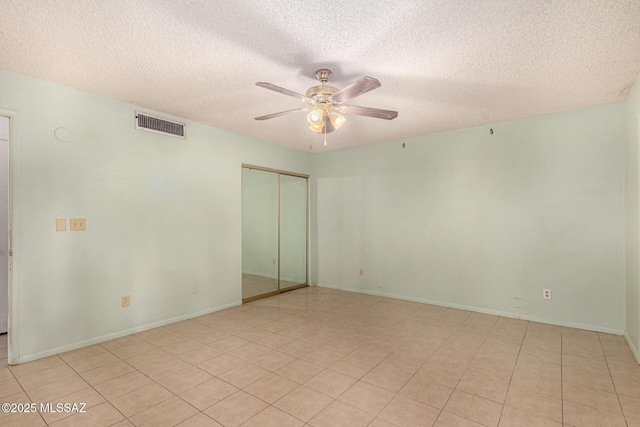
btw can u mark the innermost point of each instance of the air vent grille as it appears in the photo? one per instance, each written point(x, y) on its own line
point(158, 125)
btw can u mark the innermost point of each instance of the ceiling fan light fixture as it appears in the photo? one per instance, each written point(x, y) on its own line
point(315, 117)
point(336, 120)
point(316, 127)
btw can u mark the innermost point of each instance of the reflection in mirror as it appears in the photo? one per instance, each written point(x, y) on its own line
point(259, 232)
point(293, 231)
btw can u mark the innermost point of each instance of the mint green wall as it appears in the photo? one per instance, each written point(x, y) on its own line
point(460, 218)
point(632, 238)
point(162, 214)
point(480, 221)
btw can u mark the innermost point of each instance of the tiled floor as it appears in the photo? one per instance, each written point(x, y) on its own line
point(321, 357)
point(253, 285)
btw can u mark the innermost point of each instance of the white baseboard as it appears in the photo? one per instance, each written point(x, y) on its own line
point(477, 309)
point(634, 350)
point(74, 346)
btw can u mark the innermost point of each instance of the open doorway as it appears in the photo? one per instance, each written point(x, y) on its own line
point(4, 238)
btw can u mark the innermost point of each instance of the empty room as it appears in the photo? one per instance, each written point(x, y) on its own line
point(239, 213)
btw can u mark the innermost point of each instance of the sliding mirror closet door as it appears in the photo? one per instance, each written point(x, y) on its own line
point(274, 232)
point(259, 232)
point(293, 231)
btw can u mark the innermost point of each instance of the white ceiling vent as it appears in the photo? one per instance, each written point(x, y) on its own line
point(158, 125)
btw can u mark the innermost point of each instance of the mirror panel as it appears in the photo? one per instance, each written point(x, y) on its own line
point(293, 231)
point(259, 232)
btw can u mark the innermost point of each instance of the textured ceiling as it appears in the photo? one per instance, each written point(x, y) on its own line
point(443, 64)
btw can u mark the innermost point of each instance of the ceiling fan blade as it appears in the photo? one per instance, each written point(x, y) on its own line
point(362, 85)
point(283, 91)
point(369, 112)
point(281, 113)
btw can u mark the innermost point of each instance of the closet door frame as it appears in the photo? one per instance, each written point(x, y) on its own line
point(302, 285)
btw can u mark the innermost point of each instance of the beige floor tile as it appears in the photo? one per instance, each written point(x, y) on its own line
point(538, 404)
point(339, 414)
point(272, 417)
point(449, 420)
point(228, 344)
point(141, 399)
point(249, 351)
point(512, 417)
point(184, 380)
point(32, 419)
point(91, 362)
point(331, 383)
point(98, 416)
point(379, 422)
point(427, 391)
point(407, 413)
point(126, 351)
point(196, 357)
point(46, 376)
point(358, 349)
point(273, 360)
point(35, 366)
point(627, 370)
point(122, 385)
point(547, 356)
point(598, 367)
point(5, 374)
point(474, 408)
point(244, 375)
point(533, 383)
point(106, 373)
point(299, 371)
point(303, 403)
point(387, 377)
point(367, 397)
point(579, 415)
point(199, 420)
point(168, 413)
point(593, 398)
point(82, 353)
point(221, 364)
point(490, 387)
point(208, 393)
point(49, 392)
point(539, 368)
point(271, 387)
point(297, 348)
point(324, 357)
point(9, 387)
point(235, 409)
point(587, 379)
point(628, 388)
point(630, 406)
point(87, 397)
point(588, 353)
point(633, 422)
point(274, 341)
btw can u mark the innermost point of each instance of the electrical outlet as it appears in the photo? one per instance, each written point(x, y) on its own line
point(273, 262)
point(194, 288)
point(61, 224)
point(546, 293)
point(126, 301)
point(78, 224)
point(362, 271)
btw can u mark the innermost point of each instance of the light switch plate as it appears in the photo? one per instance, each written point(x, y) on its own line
point(78, 224)
point(61, 224)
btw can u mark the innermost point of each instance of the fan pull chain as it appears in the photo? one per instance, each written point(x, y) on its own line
point(325, 134)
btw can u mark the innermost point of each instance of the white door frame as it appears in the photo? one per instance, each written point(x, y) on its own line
point(11, 323)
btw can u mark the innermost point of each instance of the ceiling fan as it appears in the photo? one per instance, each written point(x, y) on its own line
point(325, 102)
